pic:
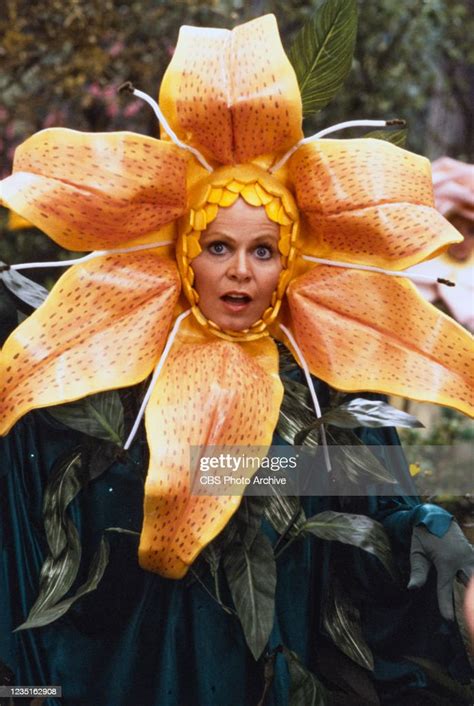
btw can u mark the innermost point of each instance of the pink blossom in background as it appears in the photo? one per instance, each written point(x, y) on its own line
point(116, 49)
point(453, 184)
point(132, 108)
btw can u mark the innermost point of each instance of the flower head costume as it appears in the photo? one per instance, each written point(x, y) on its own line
point(346, 210)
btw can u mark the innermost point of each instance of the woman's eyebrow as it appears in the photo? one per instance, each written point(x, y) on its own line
point(222, 234)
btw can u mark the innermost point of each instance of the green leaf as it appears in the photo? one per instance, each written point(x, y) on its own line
point(396, 137)
point(356, 462)
point(53, 612)
point(24, 289)
point(99, 415)
point(285, 514)
point(213, 551)
point(268, 676)
point(322, 52)
point(368, 413)
point(61, 566)
point(297, 414)
point(305, 688)
point(65, 482)
point(122, 530)
point(57, 575)
point(342, 622)
point(249, 518)
point(251, 575)
point(357, 530)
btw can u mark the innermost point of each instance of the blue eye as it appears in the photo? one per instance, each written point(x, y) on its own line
point(217, 248)
point(264, 252)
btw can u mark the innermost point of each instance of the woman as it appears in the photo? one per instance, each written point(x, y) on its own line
point(280, 213)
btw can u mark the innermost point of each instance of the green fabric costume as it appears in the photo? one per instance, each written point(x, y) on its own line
point(142, 639)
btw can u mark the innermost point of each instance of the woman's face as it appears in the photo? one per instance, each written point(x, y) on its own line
point(238, 268)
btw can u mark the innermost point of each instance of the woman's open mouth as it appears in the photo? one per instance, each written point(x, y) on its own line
point(236, 301)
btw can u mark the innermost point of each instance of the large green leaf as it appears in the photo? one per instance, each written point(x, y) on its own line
point(99, 415)
point(249, 518)
point(368, 413)
point(305, 688)
point(65, 482)
point(251, 575)
point(297, 414)
point(357, 530)
point(341, 620)
point(322, 52)
point(61, 566)
point(355, 461)
point(52, 612)
point(284, 512)
point(396, 137)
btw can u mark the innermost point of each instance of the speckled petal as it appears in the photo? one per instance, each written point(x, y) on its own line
point(233, 94)
point(210, 392)
point(103, 326)
point(368, 201)
point(368, 331)
point(93, 191)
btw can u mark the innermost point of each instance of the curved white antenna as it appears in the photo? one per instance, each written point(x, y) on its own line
point(128, 86)
point(155, 376)
point(328, 131)
point(312, 391)
point(370, 268)
point(90, 256)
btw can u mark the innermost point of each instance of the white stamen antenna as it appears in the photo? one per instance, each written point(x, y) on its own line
point(328, 131)
point(155, 376)
point(408, 275)
point(312, 391)
point(90, 256)
point(164, 123)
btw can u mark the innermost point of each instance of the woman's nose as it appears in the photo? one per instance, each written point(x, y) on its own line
point(239, 267)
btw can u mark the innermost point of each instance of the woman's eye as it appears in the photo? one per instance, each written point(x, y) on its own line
point(217, 248)
point(264, 252)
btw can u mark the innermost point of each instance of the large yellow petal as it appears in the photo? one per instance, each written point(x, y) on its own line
point(368, 201)
point(367, 331)
point(210, 392)
point(103, 326)
point(93, 191)
point(233, 94)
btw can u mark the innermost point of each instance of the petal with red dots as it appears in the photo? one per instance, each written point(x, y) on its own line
point(368, 331)
point(210, 393)
point(233, 94)
point(103, 326)
point(367, 201)
point(96, 191)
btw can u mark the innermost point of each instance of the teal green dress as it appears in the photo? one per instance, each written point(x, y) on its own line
point(146, 640)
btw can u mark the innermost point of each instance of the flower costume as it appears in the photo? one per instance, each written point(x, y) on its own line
point(233, 97)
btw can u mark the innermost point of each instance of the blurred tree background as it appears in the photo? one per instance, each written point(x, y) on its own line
point(63, 61)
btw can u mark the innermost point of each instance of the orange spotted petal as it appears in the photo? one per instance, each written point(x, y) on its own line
point(233, 94)
point(103, 326)
point(369, 202)
point(94, 191)
point(210, 392)
point(366, 331)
